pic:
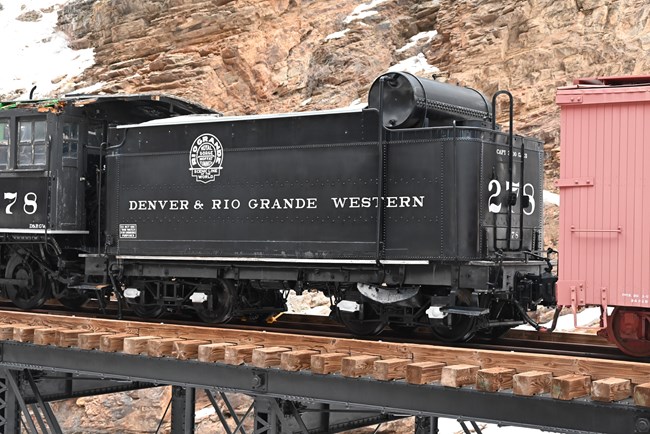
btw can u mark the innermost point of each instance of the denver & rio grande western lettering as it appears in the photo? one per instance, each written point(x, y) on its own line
point(297, 203)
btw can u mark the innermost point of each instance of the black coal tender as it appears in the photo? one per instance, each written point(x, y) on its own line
point(415, 211)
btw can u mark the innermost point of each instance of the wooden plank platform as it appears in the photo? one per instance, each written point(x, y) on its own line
point(390, 369)
point(459, 375)
point(6, 332)
point(137, 344)
point(113, 343)
point(213, 352)
point(69, 338)
point(163, 347)
point(24, 333)
point(357, 366)
point(570, 386)
point(189, 349)
point(240, 354)
point(327, 363)
point(91, 340)
point(45, 336)
point(611, 389)
point(563, 378)
point(532, 383)
point(494, 379)
point(296, 360)
point(642, 395)
point(267, 357)
point(424, 372)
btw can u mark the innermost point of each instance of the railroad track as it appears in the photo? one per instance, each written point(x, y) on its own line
point(525, 373)
point(568, 344)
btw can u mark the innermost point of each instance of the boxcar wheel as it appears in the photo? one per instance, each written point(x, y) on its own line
point(39, 286)
point(626, 328)
point(220, 304)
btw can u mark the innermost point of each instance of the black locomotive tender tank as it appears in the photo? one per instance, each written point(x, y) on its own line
point(305, 186)
point(415, 211)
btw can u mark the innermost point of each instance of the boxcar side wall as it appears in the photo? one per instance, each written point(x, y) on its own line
point(604, 235)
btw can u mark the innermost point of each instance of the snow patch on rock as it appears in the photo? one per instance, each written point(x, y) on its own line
point(418, 39)
point(43, 57)
point(363, 11)
point(417, 65)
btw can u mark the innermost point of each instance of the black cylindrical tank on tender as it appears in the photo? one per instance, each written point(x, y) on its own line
point(409, 100)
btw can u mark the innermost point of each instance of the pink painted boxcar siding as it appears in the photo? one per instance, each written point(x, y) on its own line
point(605, 193)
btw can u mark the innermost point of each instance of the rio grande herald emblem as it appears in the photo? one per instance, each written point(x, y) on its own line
point(206, 158)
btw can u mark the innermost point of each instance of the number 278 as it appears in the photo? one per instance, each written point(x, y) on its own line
point(494, 187)
point(29, 202)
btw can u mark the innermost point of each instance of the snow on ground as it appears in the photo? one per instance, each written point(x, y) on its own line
point(586, 318)
point(38, 55)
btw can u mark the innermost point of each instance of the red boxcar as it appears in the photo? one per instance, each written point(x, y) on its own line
point(605, 204)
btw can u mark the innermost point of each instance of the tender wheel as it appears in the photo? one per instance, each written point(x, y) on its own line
point(364, 322)
point(69, 297)
point(455, 328)
point(493, 333)
point(74, 301)
point(146, 307)
point(627, 329)
point(148, 311)
point(220, 305)
point(403, 329)
point(39, 286)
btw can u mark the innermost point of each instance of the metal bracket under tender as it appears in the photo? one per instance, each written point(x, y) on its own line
point(468, 310)
point(387, 295)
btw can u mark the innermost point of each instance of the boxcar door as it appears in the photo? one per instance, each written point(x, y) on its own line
point(70, 191)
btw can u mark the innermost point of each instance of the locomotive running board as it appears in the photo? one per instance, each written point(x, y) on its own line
point(288, 260)
point(41, 231)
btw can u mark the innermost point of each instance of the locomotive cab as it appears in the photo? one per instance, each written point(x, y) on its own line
point(26, 141)
point(51, 183)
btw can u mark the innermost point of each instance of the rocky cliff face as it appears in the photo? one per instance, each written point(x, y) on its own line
point(244, 56)
point(532, 47)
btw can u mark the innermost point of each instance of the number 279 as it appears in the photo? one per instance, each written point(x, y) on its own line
point(29, 202)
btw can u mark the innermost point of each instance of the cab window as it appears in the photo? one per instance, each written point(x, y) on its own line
point(32, 149)
point(70, 139)
point(4, 143)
